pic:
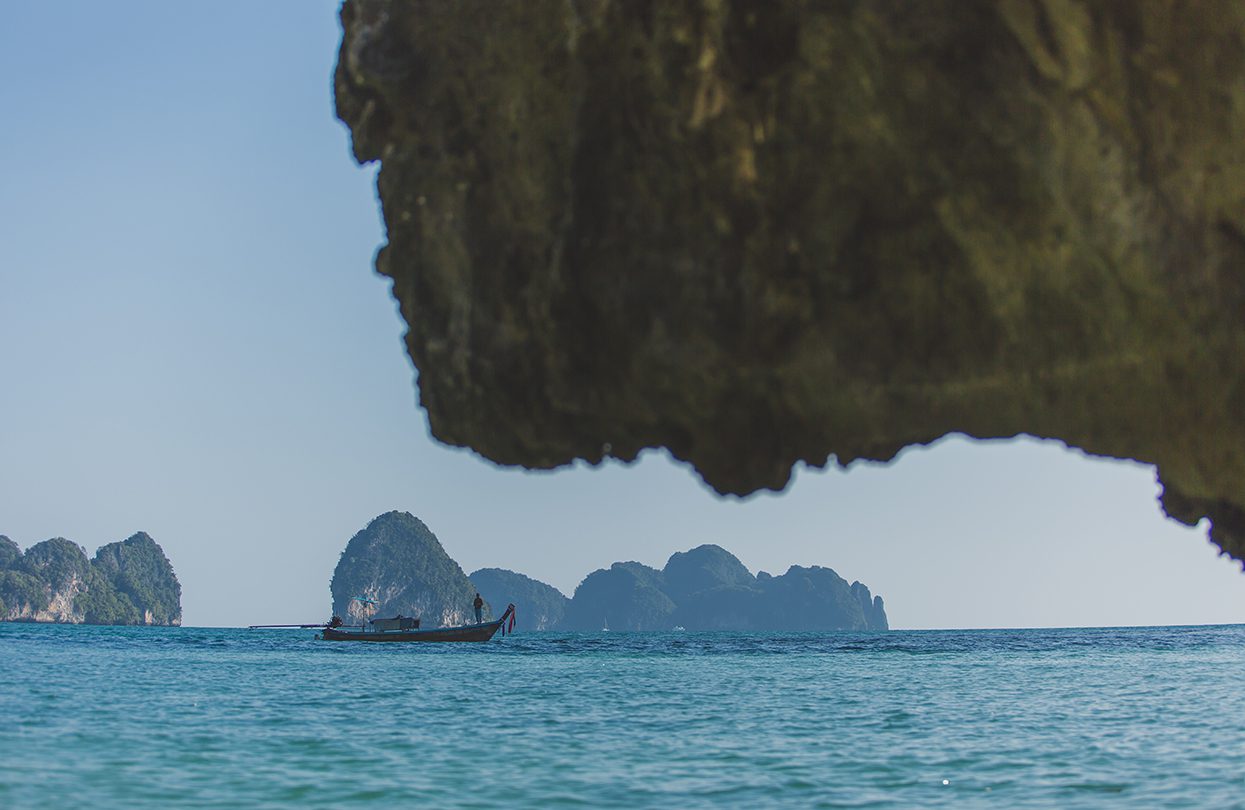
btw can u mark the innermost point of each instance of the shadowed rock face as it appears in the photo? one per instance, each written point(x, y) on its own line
point(708, 588)
point(539, 606)
point(703, 568)
point(759, 233)
point(626, 596)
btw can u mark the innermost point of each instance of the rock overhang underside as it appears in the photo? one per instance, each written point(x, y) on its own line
point(761, 233)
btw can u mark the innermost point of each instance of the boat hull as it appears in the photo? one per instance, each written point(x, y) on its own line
point(470, 632)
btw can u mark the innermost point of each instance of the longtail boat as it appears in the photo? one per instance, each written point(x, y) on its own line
point(401, 628)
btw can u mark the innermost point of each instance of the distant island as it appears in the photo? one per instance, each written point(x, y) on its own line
point(538, 606)
point(397, 562)
point(400, 565)
point(706, 588)
point(128, 582)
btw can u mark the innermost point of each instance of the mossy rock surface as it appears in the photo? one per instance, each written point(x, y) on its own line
point(759, 234)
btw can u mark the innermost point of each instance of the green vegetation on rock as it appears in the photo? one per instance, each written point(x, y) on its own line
point(399, 562)
point(21, 593)
point(9, 552)
point(143, 579)
point(130, 582)
point(103, 604)
point(59, 563)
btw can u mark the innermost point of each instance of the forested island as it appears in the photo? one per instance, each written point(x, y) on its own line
point(127, 582)
point(398, 562)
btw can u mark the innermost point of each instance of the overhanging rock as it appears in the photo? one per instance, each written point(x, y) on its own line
point(759, 233)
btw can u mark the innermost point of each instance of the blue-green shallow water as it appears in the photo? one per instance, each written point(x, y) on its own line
point(154, 717)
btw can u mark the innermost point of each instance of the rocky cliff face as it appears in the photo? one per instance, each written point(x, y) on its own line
point(871, 607)
point(50, 579)
point(130, 582)
point(398, 562)
point(543, 606)
point(762, 233)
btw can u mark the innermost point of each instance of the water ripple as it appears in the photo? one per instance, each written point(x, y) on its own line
point(155, 717)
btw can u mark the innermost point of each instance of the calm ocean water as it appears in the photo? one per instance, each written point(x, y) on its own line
point(152, 717)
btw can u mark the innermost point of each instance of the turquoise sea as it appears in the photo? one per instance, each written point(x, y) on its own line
point(187, 717)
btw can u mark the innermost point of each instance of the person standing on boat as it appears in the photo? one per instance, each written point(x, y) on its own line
point(479, 606)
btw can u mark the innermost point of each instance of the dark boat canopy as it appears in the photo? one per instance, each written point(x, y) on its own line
point(396, 623)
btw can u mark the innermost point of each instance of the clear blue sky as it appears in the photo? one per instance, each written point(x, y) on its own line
point(193, 344)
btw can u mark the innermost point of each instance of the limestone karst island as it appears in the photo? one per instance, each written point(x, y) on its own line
point(399, 565)
point(128, 582)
